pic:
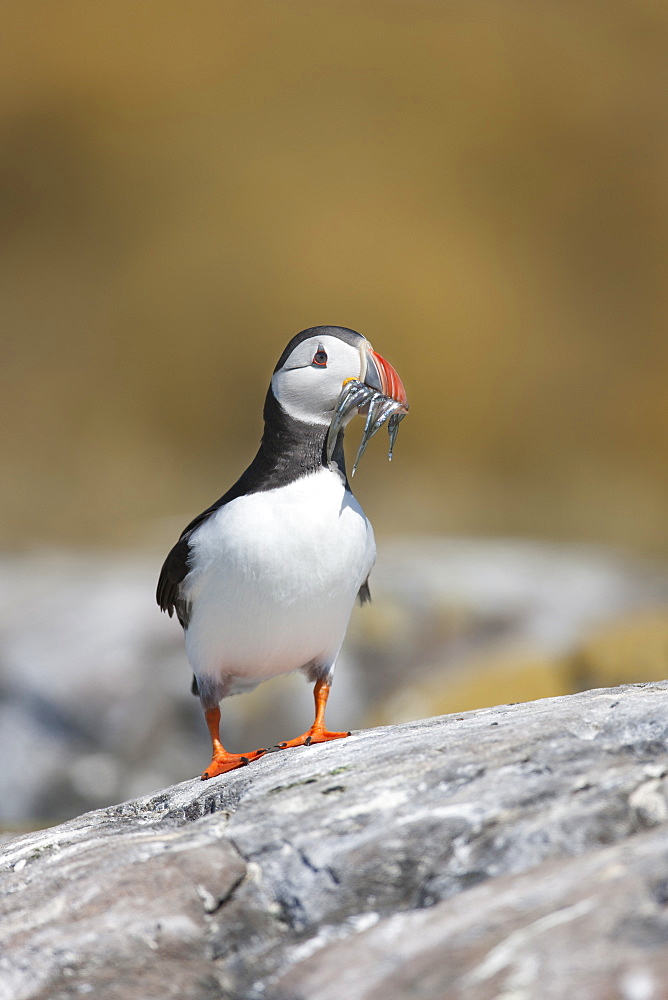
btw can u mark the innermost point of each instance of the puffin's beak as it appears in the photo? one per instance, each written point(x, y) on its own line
point(378, 393)
point(381, 376)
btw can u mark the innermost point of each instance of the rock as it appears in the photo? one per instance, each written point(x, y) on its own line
point(517, 851)
point(594, 927)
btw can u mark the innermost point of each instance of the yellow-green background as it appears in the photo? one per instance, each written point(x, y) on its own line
point(480, 188)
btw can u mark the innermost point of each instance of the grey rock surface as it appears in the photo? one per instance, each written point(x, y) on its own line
point(517, 852)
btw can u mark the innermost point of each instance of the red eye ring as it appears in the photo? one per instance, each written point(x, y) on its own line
point(320, 359)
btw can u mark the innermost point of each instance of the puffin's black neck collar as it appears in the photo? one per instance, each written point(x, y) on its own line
point(289, 450)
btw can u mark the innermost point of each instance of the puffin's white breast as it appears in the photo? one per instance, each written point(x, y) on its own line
point(274, 579)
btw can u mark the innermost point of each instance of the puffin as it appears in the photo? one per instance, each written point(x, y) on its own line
point(264, 580)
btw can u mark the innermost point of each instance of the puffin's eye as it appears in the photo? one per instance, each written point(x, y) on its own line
point(320, 358)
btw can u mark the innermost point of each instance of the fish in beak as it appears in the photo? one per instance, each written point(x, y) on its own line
point(379, 393)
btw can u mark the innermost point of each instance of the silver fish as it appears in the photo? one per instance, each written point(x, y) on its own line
point(393, 430)
point(376, 405)
point(355, 394)
point(380, 409)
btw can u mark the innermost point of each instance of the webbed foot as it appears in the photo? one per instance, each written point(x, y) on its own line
point(316, 734)
point(223, 762)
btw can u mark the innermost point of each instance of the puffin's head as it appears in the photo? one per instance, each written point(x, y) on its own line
point(318, 362)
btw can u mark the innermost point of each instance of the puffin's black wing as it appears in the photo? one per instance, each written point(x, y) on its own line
point(177, 565)
point(364, 594)
point(173, 572)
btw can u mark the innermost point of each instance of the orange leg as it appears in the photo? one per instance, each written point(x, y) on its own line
point(317, 733)
point(223, 761)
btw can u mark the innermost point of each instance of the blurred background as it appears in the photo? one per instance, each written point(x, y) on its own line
point(480, 189)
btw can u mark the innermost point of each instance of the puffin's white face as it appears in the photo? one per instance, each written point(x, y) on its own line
point(309, 382)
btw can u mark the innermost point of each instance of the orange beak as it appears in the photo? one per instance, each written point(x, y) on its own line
point(380, 375)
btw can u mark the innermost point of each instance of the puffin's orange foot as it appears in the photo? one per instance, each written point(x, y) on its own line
point(229, 762)
point(312, 736)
